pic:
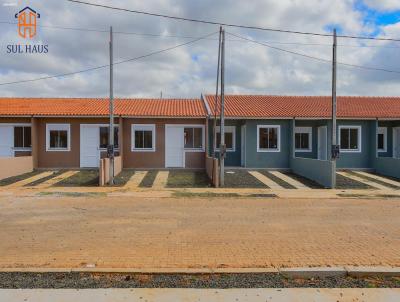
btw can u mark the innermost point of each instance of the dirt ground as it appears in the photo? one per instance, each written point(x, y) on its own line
point(120, 232)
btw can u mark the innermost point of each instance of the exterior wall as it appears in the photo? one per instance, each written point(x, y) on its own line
point(278, 160)
point(12, 166)
point(156, 159)
point(232, 158)
point(314, 124)
point(363, 159)
point(388, 166)
point(63, 159)
point(389, 125)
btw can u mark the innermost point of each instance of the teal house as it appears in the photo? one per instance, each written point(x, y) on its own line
point(295, 133)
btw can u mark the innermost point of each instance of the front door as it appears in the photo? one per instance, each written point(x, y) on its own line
point(174, 148)
point(90, 151)
point(322, 143)
point(6, 141)
point(396, 142)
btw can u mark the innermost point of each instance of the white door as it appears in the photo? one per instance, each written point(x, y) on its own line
point(174, 148)
point(322, 143)
point(396, 142)
point(6, 141)
point(90, 141)
point(243, 145)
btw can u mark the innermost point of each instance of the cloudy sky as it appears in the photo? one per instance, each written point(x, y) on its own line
point(191, 70)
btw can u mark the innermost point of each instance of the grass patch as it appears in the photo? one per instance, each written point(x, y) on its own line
point(305, 181)
point(369, 178)
point(204, 194)
point(84, 178)
point(43, 179)
point(148, 180)
point(276, 179)
point(343, 183)
point(73, 194)
point(122, 178)
point(241, 179)
point(187, 179)
point(13, 179)
point(262, 195)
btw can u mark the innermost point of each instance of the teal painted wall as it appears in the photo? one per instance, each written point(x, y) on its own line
point(232, 159)
point(256, 159)
point(314, 124)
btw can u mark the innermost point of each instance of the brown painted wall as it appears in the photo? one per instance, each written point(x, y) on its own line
point(157, 159)
point(63, 159)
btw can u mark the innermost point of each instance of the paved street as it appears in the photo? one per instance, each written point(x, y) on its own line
point(120, 232)
point(208, 295)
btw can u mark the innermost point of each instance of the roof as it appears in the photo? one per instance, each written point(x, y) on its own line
point(273, 106)
point(100, 107)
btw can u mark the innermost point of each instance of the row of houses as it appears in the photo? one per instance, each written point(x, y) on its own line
point(262, 131)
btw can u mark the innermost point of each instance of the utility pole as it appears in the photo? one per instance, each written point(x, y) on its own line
point(214, 144)
point(222, 148)
point(111, 128)
point(335, 148)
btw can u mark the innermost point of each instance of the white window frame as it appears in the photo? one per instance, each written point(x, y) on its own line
point(359, 139)
point(203, 141)
point(19, 125)
point(278, 127)
point(229, 129)
point(382, 130)
point(58, 127)
point(143, 127)
point(302, 130)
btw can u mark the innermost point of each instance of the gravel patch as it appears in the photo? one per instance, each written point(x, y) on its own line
point(84, 178)
point(10, 180)
point(375, 180)
point(242, 179)
point(248, 280)
point(305, 181)
point(276, 179)
point(187, 179)
point(122, 178)
point(148, 180)
point(344, 183)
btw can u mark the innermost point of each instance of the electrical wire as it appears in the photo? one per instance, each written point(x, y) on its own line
point(314, 58)
point(229, 24)
point(107, 65)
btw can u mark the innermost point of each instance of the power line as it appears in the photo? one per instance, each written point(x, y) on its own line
point(314, 58)
point(159, 35)
point(107, 65)
point(229, 24)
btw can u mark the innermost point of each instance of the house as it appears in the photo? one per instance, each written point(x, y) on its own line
point(73, 133)
point(282, 132)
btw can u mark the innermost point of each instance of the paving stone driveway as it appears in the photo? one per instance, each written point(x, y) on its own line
point(134, 232)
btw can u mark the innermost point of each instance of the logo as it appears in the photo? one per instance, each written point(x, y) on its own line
point(27, 22)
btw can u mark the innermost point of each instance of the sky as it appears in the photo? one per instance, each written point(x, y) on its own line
point(190, 70)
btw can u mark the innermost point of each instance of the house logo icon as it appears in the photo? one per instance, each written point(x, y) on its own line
point(27, 22)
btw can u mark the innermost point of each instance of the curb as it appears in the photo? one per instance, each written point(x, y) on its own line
point(295, 273)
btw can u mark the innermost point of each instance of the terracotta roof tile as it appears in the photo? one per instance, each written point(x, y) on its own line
point(99, 107)
point(272, 106)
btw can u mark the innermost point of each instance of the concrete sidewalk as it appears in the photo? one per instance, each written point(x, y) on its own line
point(201, 295)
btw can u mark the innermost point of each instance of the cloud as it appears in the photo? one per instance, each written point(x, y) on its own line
point(383, 5)
point(190, 70)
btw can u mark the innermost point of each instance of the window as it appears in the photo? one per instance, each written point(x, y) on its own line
point(143, 138)
point(350, 138)
point(268, 138)
point(58, 137)
point(382, 139)
point(230, 134)
point(22, 137)
point(193, 137)
point(303, 139)
point(104, 137)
